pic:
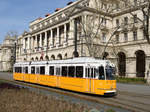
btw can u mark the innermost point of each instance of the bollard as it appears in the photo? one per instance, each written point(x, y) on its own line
point(148, 77)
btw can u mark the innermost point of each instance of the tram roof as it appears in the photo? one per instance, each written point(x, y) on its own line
point(80, 60)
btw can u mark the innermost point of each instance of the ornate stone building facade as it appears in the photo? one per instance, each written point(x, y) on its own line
point(7, 53)
point(53, 36)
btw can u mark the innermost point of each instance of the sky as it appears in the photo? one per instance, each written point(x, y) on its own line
point(15, 15)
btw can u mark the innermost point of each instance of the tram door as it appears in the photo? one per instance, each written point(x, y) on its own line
point(89, 79)
point(37, 74)
point(58, 74)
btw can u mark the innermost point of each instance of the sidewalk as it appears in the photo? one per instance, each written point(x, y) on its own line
point(6, 75)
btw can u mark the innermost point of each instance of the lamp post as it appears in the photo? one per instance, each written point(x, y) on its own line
point(76, 54)
point(15, 46)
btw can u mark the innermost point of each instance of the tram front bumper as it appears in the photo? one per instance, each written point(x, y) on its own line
point(111, 91)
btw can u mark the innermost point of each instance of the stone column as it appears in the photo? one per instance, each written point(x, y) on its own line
point(40, 40)
point(29, 42)
point(71, 33)
point(24, 43)
point(65, 33)
point(36, 41)
point(46, 39)
point(33, 43)
point(58, 37)
point(72, 28)
point(51, 38)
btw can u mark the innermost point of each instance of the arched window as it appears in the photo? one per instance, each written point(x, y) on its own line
point(65, 56)
point(32, 59)
point(41, 58)
point(121, 64)
point(59, 57)
point(36, 59)
point(25, 59)
point(140, 63)
point(52, 57)
point(46, 58)
point(105, 55)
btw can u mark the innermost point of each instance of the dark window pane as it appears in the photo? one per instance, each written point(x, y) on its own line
point(64, 71)
point(101, 72)
point(16, 70)
point(71, 71)
point(51, 70)
point(42, 70)
point(32, 70)
point(79, 71)
point(37, 70)
point(95, 72)
point(26, 70)
point(20, 69)
point(92, 72)
point(88, 73)
point(57, 71)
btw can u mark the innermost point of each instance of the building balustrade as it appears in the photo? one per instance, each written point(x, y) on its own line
point(50, 39)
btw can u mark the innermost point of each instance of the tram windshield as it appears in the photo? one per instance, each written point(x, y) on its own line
point(110, 71)
point(101, 73)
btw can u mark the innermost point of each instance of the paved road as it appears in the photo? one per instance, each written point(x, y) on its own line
point(133, 88)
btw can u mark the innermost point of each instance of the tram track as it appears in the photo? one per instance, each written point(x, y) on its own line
point(131, 105)
point(134, 94)
point(119, 101)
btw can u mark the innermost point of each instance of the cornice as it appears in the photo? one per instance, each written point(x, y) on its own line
point(48, 26)
point(128, 10)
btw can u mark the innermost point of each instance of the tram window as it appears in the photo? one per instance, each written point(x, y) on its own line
point(88, 73)
point(37, 70)
point(79, 71)
point(32, 70)
point(26, 70)
point(42, 70)
point(92, 72)
point(101, 72)
point(18, 69)
point(64, 71)
point(57, 71)
point(71, 71)
point(95, 72)
point(51, 70)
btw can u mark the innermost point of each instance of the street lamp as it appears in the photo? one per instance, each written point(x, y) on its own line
point(15, 46)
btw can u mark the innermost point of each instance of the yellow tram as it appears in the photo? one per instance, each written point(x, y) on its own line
point(84, 74)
